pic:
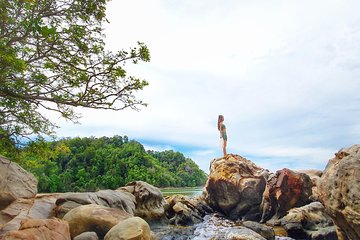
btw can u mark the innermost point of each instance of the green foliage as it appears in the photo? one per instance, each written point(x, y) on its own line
point(185, 168)
point(53, 57)
point(88, 164)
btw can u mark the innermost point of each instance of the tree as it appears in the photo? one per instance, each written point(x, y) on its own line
point(87, 164)
point(53, 57)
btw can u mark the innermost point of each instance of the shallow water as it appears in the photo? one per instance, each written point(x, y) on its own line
point(187, 191)
point(212, 228)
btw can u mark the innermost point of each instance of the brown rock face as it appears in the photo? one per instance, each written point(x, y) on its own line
point(40, 207)
point(134, 228)
point(339, 190)
point(286, 189)
point(15, 183)
point(107, 198)
point(95, 218)
point(182, 210)
point(149, 200)
point(315, 176)
point(235, 187)
point(39, 229)
point(309, 222)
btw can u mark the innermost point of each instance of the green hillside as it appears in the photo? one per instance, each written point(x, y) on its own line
point(89, 164)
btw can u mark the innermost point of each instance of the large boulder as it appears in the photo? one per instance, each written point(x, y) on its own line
point(108, 198)
point(95, 218)
point(182, 210)
point(285, 189)
point(134, 228)
point(40, 207)
point(235, 187)
point(339, 190)
point(15, 183)
point(149, 200)
point(309, 222)
point(39, 229)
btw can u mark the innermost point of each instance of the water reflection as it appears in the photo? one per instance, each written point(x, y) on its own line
point(187, 191)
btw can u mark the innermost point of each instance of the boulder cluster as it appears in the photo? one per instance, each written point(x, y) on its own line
point(308, 204)
point(124, 213)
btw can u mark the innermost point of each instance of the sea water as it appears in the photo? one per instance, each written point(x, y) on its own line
point(213, 227)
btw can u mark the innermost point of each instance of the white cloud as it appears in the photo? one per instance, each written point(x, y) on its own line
point(284, 73)
point(157, 148)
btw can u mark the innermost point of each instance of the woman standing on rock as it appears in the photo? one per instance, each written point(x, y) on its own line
point(223, 136)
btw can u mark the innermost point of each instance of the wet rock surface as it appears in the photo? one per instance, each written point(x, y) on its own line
point(214, 226)
point(218, 227)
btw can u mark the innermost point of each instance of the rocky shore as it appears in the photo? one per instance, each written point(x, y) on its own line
point(240, 201)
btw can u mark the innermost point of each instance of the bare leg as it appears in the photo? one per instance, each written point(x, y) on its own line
point(224, 148)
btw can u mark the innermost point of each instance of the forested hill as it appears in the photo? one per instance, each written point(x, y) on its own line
point(89, 164)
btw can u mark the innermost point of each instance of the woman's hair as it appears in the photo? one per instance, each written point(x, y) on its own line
point(220, 119)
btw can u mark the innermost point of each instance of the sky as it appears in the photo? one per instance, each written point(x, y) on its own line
point(285, 74)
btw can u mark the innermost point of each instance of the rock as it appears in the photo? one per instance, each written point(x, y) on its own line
point(133, 228)
point(265, 231)
point(87, 236)
point(181, 210)
point(12, 216)
point(218, 227)
point(235, 187)
point(311, 172)
point(108, 198)
point(309, 222)
point(40, 207)
point(340, 234)
point(172, 232)
point(39, 229)
point(15, 183)
point(95, 218)
point(201, 205)
point(243, 233)
point(286, 189)
point(327, 233)
point(315, 176)
point(43, 206)
point(149, 200)
point(339, 190)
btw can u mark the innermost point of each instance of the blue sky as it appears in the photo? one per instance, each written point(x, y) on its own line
point(285, 74)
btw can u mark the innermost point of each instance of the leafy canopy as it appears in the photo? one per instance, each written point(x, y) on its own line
point(89, 164)
point(53, 57)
